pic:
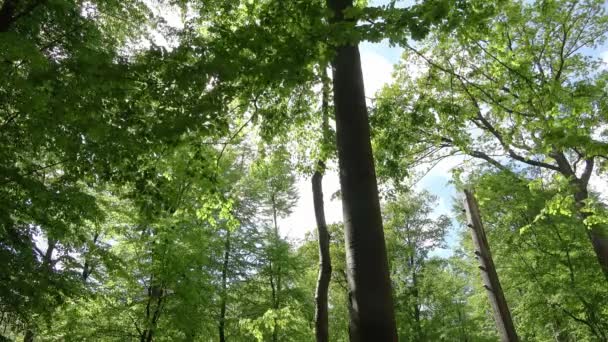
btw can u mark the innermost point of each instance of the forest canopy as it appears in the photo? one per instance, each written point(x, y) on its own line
point(153, 153)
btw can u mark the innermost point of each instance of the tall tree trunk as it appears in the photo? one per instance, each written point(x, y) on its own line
point(321, 293)
point(372, 315)
point(502, 315)
point(276, 287)
point(7, 13)
point(598, 235)
point(222, 323)
point(416, 295)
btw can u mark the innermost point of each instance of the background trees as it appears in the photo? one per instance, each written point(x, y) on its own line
point(146, 168)
point(412, 234)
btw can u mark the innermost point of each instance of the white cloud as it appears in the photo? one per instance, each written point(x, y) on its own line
point(377, 71)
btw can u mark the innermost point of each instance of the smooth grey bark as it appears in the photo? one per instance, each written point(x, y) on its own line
point(502, 315)
point(372, 313)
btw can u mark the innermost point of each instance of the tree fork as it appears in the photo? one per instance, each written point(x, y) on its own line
point(371, 314)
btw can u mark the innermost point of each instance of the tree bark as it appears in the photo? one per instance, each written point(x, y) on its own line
point(87, 268)
point(7, 13)
point(321, 293)
point(29, 336)
point(597, 234)
point(222, 322)
point(276, 288)
point(502, 315)
point(416, 308)
point(372, 314)
point(10, 13)
point(155, 293)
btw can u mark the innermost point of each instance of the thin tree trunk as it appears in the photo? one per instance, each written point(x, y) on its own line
point(222, 323)
point(87, 269)
point(276, 291)
point(558, 334)
point(29, 336)
point(463, 330)
point(372, 315)
point(47, 258)
point(47, 266)
point(502, 315)
point(321, 293)
point(155, 292)
point(416, 295)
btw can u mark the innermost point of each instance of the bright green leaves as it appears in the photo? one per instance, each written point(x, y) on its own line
point(517, 89)
point(543, 255)
point(284, 318)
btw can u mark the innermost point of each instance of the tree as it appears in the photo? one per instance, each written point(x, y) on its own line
point(524, 83)
point(411, 234)
point(142, 186)
point(77, 115)
point(338, 315)
point(321, 292)
point(372, 315)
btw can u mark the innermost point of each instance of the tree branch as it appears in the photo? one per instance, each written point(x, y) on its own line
point(486, 157)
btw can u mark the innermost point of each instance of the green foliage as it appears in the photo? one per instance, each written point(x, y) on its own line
point(522, 83)
point(137, 202)
point(543, 262)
